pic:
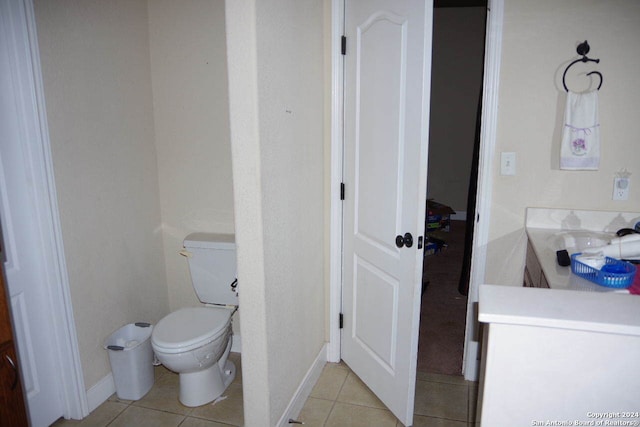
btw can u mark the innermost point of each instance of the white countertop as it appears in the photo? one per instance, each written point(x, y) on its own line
point(543, 241)
point(544, 225)
point(565, 309)
point(596, 308)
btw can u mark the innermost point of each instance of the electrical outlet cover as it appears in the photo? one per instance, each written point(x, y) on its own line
point(621, 189)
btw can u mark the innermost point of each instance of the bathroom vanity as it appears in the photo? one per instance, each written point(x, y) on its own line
point(550, 230)
point(560, 348)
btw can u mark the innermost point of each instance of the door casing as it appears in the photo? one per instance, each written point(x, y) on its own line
point(18, 19)
point(491, 82)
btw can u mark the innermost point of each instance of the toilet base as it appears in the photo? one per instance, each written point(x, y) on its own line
point(201, 387)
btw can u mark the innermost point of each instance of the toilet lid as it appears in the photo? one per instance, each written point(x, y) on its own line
point(190, 328)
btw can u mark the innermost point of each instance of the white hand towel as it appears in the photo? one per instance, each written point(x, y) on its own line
point(580, 148)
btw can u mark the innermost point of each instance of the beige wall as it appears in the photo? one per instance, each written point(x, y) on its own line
point(456, 80)
point(191, 112)
point(120, 194)
point(275, 54)
point(95, 65)
point(539, 41)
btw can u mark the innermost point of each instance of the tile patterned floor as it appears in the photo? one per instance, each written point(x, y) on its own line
point(339, 399)
point(161, 408)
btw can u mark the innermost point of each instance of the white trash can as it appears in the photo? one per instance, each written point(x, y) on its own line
point(131, 358)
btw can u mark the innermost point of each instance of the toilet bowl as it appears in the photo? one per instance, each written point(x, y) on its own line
point(195, 343)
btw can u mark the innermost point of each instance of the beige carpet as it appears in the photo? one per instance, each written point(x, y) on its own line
point(443, 312)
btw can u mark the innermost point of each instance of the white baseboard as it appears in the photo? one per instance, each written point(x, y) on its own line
point(304, 389)
point(100, 392)
point(333, 351)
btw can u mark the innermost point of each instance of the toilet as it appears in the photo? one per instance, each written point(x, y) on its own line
point(195, 342)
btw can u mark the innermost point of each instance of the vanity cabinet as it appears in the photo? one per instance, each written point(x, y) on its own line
point(554, 341)
point(533, 275)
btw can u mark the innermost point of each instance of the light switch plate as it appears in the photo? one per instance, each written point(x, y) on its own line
point(508, 163)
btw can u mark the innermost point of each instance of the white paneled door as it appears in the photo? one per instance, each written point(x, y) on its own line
point(387, 82)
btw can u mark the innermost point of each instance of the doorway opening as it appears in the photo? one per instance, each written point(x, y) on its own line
point(456, 86)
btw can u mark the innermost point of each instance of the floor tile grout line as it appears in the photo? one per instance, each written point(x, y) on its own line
point(355, 404)
point(441, 418)
point(225, 423)
point(445, 419)
point(333, 405)
point(163, 410)
point(344, 381)
point(362, 406)
point(117, 415)
point(184, 417)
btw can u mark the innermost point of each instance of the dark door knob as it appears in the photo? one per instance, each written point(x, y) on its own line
point(406, 240)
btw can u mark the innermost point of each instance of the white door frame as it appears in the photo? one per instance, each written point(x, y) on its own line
point(337, 126)
point(489, 127)
point(493, 49)
point(20, 23)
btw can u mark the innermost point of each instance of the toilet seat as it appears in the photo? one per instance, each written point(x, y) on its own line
point(190, 328)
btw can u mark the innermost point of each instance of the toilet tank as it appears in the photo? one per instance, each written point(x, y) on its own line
point(212, 263)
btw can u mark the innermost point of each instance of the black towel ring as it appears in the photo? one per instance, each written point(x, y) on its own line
point(583, 49)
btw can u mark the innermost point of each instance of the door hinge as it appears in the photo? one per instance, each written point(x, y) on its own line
point(343, 46)
point(342, 191)
point(341, 320)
